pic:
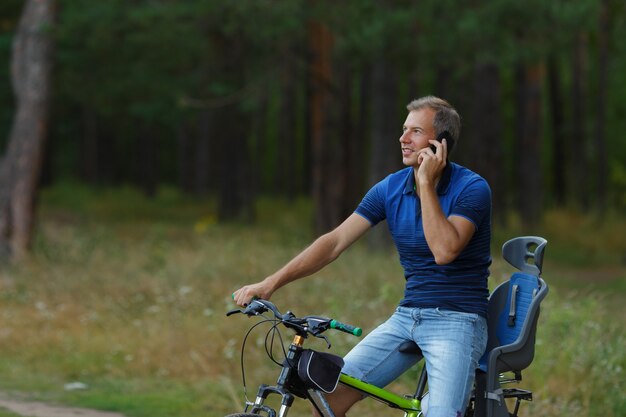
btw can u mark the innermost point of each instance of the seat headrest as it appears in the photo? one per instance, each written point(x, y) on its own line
point(523, 250)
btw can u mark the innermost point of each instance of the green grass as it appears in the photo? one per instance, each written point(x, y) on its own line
point(6, 413)
point(128, 296)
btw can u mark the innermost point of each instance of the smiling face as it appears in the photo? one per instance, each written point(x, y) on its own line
point(418, 129)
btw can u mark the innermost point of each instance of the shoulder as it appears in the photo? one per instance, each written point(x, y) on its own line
point(395, 181)
point(463, 177)
point(399, 178)
point(400, 175)
point(471, 195)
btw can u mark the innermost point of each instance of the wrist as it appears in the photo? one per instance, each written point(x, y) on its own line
point(426, 183)
point(271, 283)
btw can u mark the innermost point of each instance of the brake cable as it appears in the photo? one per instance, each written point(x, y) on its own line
point(243, 346)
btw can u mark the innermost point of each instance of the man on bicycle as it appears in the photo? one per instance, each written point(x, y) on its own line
point(439, 215)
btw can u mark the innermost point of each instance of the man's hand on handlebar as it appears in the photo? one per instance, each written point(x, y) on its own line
point(247, 293)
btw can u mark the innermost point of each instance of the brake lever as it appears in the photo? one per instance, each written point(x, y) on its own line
point(256, 308)
point(235, 311)
point(321, 336)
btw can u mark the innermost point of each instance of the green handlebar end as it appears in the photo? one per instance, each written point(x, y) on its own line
point(356, 331)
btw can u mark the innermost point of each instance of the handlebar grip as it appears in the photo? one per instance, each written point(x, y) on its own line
point(356, 331)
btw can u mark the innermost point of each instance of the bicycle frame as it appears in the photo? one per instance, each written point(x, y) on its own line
point(410, 405)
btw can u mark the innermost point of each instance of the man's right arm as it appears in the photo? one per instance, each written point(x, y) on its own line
point(323, 251)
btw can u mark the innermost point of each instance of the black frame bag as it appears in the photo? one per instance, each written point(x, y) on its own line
point(320, 370)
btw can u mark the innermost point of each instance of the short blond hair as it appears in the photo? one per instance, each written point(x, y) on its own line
point(446, 116)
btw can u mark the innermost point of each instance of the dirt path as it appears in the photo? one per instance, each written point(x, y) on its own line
point(40, 409)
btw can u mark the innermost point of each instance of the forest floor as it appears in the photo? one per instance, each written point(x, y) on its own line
point(28, 408)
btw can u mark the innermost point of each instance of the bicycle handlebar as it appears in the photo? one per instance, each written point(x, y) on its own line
point(314, 325)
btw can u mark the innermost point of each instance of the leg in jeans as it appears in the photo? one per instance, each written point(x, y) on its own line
point(376, 359)
point(452, 343)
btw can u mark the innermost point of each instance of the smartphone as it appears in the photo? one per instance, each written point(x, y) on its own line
point(443, 135)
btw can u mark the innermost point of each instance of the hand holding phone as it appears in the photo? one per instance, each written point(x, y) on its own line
point(443, 135)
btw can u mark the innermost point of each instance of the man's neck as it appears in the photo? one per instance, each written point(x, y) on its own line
point(416, 186)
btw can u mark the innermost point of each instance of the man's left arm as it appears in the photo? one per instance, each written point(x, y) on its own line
point(446, 236)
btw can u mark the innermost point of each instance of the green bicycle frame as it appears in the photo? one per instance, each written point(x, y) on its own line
point(411, 406)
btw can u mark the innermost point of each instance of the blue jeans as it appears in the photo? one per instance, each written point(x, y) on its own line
point(452, 343)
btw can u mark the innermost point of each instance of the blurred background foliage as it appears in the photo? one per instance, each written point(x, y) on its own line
point(238, 99)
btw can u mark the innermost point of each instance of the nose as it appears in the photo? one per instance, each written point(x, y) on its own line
point(404, 137)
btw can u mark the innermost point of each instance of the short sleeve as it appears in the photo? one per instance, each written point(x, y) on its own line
point(372, 207)
point(474, 203)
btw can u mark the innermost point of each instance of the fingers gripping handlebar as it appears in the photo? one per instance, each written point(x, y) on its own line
point(256, 308)
point(314, 325)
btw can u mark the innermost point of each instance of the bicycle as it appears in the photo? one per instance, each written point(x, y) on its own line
point(309, 374)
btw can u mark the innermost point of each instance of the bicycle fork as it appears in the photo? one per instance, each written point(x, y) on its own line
point(285, 376)
point(265, 390)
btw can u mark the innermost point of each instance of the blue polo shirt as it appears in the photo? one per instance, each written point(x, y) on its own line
point(460, 285)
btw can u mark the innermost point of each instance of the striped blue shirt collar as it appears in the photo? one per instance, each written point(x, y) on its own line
point(442, 187)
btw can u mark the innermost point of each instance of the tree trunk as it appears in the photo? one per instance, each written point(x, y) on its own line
point(287, 134)
point(385, 154)
point(559, 150)
point(185, 157)
point(231, 131)
point(443, 83)
point(600, 131)
point(146, 147)
point(31, 65)
point(486, 133)
point(529, 184)
point(345, 143)
point(236, 193)
point(205, 146)
point(386, 122)
point(359, 180)
point(322, 112)
point(90, 152)
point(580, 163)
